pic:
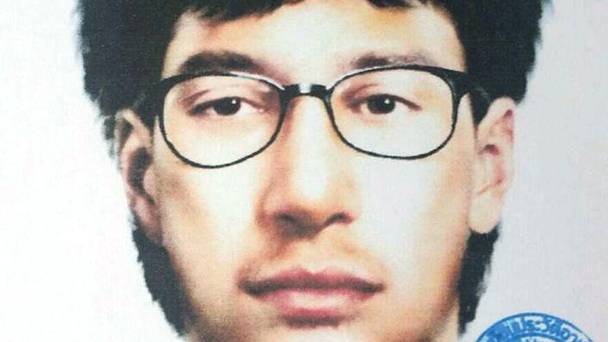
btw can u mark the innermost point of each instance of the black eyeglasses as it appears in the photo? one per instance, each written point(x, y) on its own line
point(218, 119)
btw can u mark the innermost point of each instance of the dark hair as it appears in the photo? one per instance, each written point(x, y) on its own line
point(123, 43)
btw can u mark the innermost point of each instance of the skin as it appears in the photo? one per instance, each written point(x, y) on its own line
point(309, 200)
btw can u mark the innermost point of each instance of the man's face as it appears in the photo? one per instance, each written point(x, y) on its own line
point(312, 240)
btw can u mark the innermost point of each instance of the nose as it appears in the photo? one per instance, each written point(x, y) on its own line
point(312, 186)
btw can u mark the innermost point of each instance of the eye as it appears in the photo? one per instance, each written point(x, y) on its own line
point(381, 104)
point(228, 106)
point(384, 104)
point(222, 107)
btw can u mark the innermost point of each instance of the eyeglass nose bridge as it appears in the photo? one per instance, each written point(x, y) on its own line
point(304, 89)
point(318, 91)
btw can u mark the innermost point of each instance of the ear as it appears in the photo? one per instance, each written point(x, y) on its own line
point(135, 155)
point(493, 169)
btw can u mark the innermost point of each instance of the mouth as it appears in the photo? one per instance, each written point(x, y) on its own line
point(310, 299)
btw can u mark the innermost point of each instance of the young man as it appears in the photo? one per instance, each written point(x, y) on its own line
point(312, 170)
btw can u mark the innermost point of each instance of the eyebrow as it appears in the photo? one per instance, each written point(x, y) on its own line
point(220, 61)
point(373, 59)
point(233, 61)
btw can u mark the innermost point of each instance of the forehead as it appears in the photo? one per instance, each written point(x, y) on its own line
point(316, 40)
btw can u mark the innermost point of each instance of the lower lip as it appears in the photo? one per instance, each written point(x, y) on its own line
point(313, 307)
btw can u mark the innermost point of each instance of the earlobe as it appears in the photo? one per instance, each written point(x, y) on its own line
point(137, 172)
point(493, 169)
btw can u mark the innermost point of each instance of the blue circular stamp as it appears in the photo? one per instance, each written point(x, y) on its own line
point(533, 327)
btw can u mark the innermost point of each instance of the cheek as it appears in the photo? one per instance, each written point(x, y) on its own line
point(412, 201)
point(416, 220)
point(206, 218)
point(204, 207)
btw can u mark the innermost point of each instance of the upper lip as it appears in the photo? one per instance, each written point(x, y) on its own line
point(302, 279)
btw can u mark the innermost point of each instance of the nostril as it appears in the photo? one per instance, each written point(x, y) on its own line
point(337, 218)
point(294, 226)
point(306, 225)
point(287, 220)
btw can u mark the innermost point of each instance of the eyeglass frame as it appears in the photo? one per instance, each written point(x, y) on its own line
point(151, 104)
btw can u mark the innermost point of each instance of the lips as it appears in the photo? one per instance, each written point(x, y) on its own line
point(303, 298)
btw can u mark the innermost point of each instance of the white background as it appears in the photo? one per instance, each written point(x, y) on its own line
point(68, 269)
